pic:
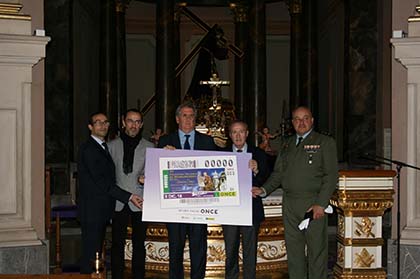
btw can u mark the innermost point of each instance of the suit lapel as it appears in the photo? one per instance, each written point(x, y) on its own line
point(175, 140)
point(197, 141)
point(100, 148)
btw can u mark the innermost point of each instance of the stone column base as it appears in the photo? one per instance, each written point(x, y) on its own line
point(24, 259)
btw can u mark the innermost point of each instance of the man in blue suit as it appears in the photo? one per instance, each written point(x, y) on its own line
point(238, 133)
point(186, 137)
point(98, 190)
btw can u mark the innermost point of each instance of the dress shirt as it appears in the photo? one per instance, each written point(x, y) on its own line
point(303, 136)
point(244, 148)
point(98, 140)
point(182, 138)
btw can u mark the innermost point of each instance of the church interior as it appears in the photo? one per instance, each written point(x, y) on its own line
point(354, 63)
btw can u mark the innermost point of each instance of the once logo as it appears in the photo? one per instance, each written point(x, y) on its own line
point(209, 211)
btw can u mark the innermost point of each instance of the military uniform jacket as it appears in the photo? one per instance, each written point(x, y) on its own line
point(307, 171)
point(129, 182)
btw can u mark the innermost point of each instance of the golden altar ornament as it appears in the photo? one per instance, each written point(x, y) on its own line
point(361, 200)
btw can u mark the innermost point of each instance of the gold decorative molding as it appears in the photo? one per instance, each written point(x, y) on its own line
point(358, 273)
point(215, 231)
point(415, 17)
point(364, 259)
point(11, 11)
point(364, 228)
point(367, 173)
point(363, 203)
point(240, 12)
point(279, 268)
point(155, 231)
point(157, 254)
point(155, 267)
point(271, 229)
point(361, 242)
point(341, 225)
point(271, 252)
point(216, 253)
point(340, 254)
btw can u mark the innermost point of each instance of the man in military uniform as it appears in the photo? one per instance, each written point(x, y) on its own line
point(306, 168)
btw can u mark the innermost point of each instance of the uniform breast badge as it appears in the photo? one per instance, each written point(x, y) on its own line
point(311, 149)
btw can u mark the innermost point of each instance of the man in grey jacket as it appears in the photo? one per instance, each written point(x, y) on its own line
point(128, 153)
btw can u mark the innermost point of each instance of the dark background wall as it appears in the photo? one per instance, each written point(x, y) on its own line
point(353, 103)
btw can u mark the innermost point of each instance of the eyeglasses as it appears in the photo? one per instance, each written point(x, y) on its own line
point(304, 119)
point(101, 123)
point(131, 121)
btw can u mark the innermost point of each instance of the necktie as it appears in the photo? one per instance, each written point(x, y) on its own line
point(105, 147)
point(239, 150)
point(187, 143)
point(299, 141)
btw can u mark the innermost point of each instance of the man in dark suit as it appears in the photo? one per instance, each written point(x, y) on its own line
point(306, 168)
point(238, 133)
point(187, 138)
point(98, 190)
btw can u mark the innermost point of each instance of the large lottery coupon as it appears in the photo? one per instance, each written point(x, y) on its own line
point(187, 186)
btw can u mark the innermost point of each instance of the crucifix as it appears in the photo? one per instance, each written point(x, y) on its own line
point(215, 84)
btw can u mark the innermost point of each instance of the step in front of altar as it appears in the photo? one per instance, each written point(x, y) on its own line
point(271, 253)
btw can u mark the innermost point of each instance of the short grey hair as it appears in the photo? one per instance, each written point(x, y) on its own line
point(185, 105)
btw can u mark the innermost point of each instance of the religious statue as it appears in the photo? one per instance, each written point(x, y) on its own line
point(266, 137)
point(156, 136)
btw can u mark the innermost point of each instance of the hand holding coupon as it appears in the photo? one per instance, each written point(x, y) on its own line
point(194, 186)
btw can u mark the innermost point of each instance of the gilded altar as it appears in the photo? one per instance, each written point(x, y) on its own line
point(271, 253)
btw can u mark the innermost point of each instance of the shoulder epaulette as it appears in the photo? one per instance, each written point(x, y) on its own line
point(325, 133)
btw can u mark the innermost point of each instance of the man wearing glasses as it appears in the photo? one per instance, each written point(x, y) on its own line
point(306, 168)
point(98, 190)
point(129, 154)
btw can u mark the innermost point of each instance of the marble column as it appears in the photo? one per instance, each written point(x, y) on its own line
point(407, 129)
point(360, 79)
point(166, 99)
point(257, 69)
point(295, 86)
point(21, 227)
point(121, 7)
point(108, 98)
point(240, 11)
